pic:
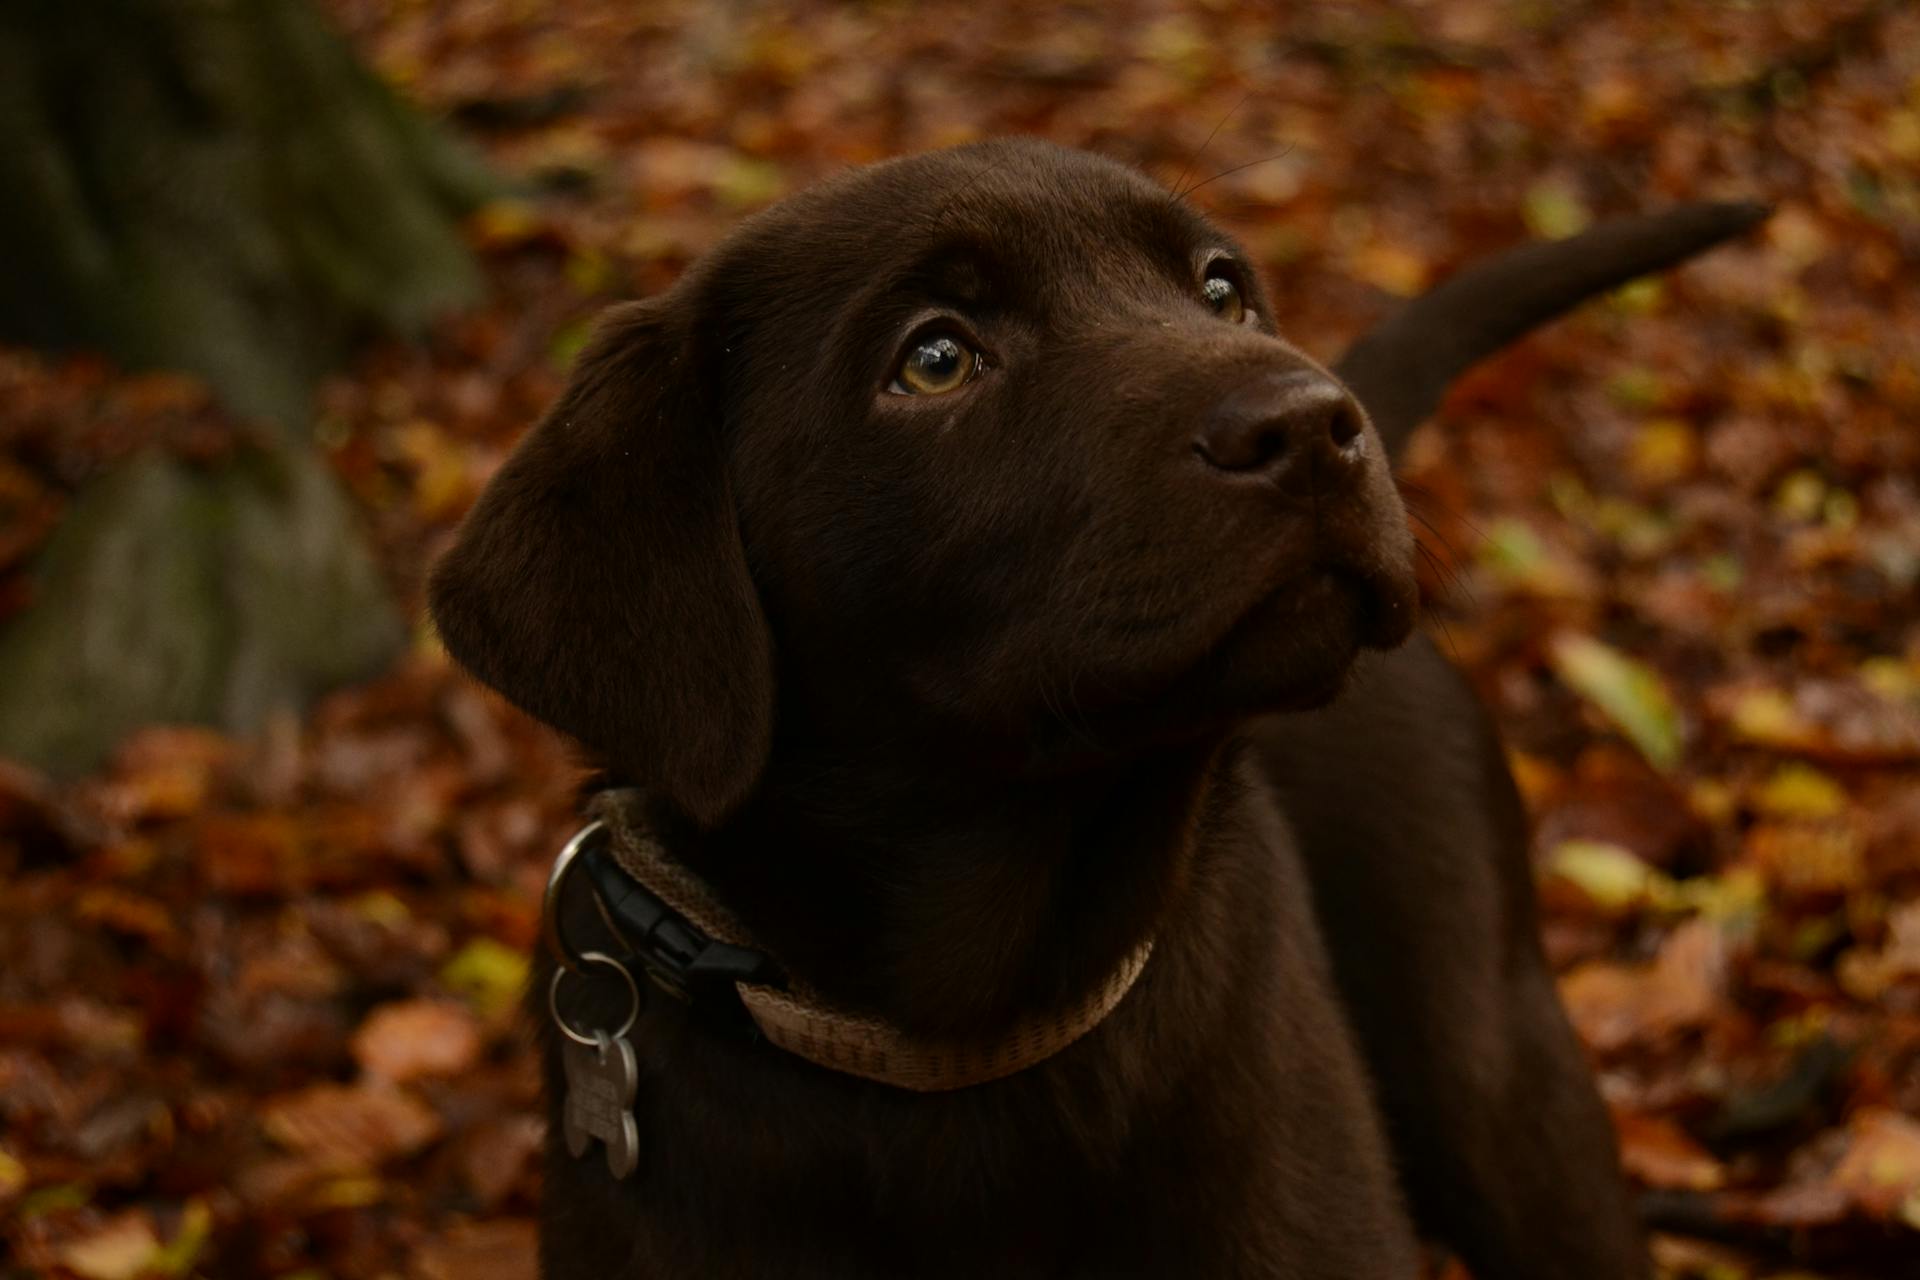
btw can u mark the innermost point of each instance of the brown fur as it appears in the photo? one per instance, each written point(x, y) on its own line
point(958, 698)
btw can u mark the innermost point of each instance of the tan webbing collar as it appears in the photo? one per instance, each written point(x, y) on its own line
point(808, 1027)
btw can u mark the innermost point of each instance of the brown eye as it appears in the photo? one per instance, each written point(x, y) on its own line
point(1223, 297)
point(935, 366)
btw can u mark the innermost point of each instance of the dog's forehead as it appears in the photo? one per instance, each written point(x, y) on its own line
point(1026, 206)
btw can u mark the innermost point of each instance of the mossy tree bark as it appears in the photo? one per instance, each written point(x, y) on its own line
point(215, 186)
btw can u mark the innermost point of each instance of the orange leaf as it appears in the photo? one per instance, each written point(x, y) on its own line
point(1881, 1170)
point(1660, 1154)
point(351, 1126)
point(413, 1038)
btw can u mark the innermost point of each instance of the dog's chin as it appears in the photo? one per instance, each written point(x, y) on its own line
point(1295, 647)
point(1293, 650)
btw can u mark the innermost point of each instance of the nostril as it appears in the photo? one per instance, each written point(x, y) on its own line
point(1344, 426)
point(1251, 448)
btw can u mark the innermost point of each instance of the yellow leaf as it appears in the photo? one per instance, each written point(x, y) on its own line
point(1800, 791)
point(348, 1193)
point(1664, 450)
point(1518, 556)
point(1894, 679)
point(1554, 210)
point(1733, 899)
point(1801, 496)
point(177, 1258)
point(1768, 716)
point(744, 182)
point(1609, 875)
point(13, 1176)
point(57, 1198)
point(1881, 1169)
point(1903, 134)
point(1393, 267)
point(504, 223)
point(1627, 692)
point(491, 976)
point(1712, 800)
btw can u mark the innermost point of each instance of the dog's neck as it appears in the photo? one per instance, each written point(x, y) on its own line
point(947, 902)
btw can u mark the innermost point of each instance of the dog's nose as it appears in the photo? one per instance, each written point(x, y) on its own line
point(1281, 423)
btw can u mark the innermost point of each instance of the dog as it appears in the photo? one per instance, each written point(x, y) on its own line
point(994, 609)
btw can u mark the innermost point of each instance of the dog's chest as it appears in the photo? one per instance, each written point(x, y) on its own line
point(1217, 1124)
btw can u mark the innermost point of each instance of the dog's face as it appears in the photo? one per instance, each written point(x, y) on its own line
point(996, 444)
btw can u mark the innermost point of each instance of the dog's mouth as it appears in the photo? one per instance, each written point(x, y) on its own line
point(1292, 649)
point(1296, 644)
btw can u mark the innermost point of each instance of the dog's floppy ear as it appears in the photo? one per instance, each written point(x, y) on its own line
point(600, 584)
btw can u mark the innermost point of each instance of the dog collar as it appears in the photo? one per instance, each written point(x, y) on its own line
point(695, 949)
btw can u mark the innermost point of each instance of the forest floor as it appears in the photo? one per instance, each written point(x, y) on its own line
point(259, 998)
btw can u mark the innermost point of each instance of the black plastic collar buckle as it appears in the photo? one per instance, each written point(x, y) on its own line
point(678, 957)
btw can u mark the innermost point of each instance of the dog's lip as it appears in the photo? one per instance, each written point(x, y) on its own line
point(1386, 601)
point(1291, 647)
point(1389, 604)
point(1305, 632)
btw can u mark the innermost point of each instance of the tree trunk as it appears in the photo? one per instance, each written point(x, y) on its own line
point(173, 593)
point(214, 186)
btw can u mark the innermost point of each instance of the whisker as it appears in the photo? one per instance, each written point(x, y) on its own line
point(1445, 542)
point(1415, 498)
point(1228, 173)
point(1448, 579)
point(1416, 493)
point(1194, 159)
point(1446, 633)
point(1453, 649)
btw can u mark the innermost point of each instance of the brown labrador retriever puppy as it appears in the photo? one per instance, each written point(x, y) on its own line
point(972, 573)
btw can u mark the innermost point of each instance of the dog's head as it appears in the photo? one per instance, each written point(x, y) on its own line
point(995, 446)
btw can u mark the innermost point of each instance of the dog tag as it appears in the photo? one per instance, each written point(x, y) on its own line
point(601, 1079)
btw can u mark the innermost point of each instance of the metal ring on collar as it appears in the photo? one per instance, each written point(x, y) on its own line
point(633, 997)
point(557, 944)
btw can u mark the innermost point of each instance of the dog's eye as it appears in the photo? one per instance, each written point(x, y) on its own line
point(1223, 296)
point(936, 365)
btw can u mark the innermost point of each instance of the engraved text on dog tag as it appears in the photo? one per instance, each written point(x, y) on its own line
point(601, 1078)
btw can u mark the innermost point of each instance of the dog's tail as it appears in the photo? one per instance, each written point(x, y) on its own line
point(1401, 368)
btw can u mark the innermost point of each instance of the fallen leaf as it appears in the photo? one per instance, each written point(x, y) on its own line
point(1611, 877)
point(501, 1249)
point(1800, 791)
point(1627, 692)
point(412, 1038)
point(499, 1155)
point(351, 1127)
point(1881, 1169)
point(489, 974)
point(1517, 555)
point(1554, 210)
point(1836, 719)
point(1392, 267)
point(121, 1249)
point(13, 1176)
point(1867, 972)
point(1658, 1153)
point(1614, 1006)
point(177, 1257)
point(1803, 858)
point(1664, 450)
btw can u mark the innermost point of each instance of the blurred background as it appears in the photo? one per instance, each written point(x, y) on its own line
point(284, 279)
